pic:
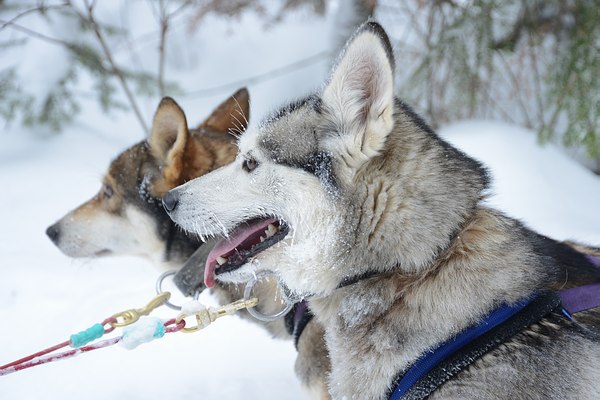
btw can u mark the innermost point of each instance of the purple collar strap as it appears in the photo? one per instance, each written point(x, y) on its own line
point(582, 298)
point(593, 260)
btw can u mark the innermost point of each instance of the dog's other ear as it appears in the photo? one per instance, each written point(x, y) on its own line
point(232, 115)
point(168, 138)
point(359, 99)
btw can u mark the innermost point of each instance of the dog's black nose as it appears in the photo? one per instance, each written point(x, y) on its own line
point(170, 200)
point(53, 233)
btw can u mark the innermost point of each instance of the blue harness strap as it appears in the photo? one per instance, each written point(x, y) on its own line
point(438, 365)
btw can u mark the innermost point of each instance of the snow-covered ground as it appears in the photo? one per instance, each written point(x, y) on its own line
point(45, 296)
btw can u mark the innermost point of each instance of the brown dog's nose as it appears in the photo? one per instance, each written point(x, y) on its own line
point(170, 201)
point(53, 233)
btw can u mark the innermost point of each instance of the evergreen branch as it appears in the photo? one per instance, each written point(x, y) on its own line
point(527, 23)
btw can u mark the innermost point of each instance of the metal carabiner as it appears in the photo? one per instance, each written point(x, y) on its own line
point(284, 294)
point(133, 315)
point(159, 290)
point(207, 315)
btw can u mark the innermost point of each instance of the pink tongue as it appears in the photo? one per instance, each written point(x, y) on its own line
point(209, 275)
point(226, 246)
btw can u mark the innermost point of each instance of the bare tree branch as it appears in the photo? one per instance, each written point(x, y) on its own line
point(40, 9)
point(164, 26)
point(90, 18)
point(265, 76)
point(34, 34)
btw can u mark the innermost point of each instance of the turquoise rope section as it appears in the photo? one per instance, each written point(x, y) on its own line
point(160, 330)
point(84, 337)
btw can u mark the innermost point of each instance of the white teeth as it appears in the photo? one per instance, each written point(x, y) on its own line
point(271, 230)
point(262, 239)
point(221, 260)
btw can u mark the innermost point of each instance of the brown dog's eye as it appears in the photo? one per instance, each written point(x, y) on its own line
point(249, 164)
point(107, 191)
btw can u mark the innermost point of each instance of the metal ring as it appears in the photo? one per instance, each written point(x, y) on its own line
point(160, 290)
point(253, 311)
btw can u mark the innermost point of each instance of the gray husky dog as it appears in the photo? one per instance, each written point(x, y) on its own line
point(381, 224)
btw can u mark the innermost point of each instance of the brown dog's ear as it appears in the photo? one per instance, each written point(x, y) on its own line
point(231, 115)
point(168, 138)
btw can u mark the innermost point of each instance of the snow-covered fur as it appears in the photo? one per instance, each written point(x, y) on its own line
point(372, 196)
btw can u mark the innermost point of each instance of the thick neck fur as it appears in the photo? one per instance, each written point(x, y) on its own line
point(397, 316)
point(442, 260)
point(408, 202)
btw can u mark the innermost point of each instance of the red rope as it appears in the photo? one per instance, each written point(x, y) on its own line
point(41, 357)
point(55, 357)
point(31, 357)
point(178, 326)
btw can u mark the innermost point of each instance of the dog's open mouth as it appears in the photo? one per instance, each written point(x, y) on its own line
point(245, 241)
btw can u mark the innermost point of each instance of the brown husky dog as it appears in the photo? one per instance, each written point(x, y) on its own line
point(126, 216)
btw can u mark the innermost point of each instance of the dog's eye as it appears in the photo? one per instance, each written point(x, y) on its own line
point(249, 164)
point(107, 191)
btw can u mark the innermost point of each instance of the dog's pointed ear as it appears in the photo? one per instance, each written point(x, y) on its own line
point(232, 115)
point(359, 97)
point(168, 138)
